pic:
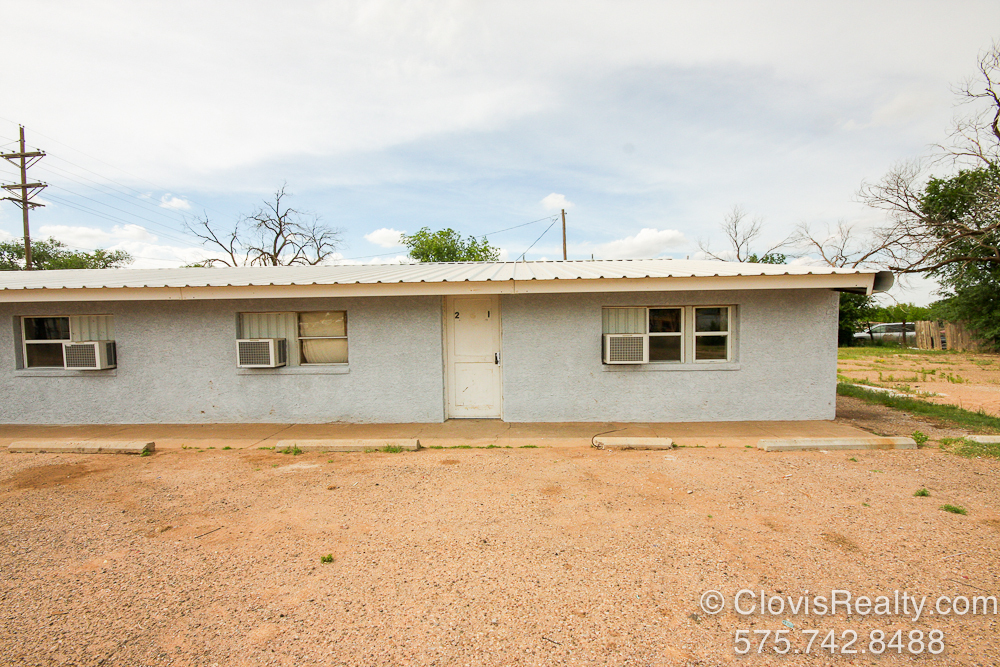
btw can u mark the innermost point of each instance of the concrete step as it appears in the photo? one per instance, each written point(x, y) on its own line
point(630, 442)
point(345, 445)
point(81, 446)
point(833, 444)
point(984, 439)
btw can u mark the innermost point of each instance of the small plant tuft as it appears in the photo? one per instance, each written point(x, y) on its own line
point(922, 493)
point(326, 559)
point(919, 437)
point(226, 447)
point(954, 509)
point(392, 449)
point(146, 452)
point(853, 459)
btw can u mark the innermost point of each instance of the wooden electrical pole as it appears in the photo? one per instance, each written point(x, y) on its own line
point(564, 233)
point(27, 190)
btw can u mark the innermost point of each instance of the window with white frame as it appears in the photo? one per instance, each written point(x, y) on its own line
point(313, 338)
point(674, 334)
point(43, 338)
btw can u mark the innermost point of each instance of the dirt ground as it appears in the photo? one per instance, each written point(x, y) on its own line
point(968, 380)
point(543, 556)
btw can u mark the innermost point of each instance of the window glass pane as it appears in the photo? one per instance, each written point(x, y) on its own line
point(664, 320)
point(324, 351)
point(711, 319)
point(710, 347)
point(46, 328)
point(44, 355)
point(664, 348)
point(624, 320)
point(332, 323)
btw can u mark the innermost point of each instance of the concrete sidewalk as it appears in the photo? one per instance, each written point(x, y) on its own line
point(454, 432)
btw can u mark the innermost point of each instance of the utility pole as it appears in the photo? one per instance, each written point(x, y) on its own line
point(564, 233)
point(28, 190)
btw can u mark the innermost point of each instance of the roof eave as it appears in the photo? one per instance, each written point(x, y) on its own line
point(861, 282)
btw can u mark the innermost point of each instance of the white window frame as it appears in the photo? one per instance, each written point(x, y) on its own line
point(74, 336)
point(302, 338)
point(728, 333)
point(677, 334)
point(294, 354)
point(25, 341)
point(688, 333)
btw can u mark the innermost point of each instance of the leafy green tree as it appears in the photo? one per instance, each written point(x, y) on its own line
point(768, 258)
point(447, 245)
point(901, 312)
point(973, 298)
point(53, 254)
point(972, 286)
point(855, 313)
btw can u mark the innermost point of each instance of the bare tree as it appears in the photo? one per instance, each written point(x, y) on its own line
point(273, 235)
point(741, 232)
point(843, 245)
point(926, 237)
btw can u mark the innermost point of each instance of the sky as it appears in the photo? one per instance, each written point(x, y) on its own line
point(646, 121)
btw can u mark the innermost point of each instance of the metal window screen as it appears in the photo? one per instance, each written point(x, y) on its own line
point(255, 353)
point(81, 356)
point(625, 349)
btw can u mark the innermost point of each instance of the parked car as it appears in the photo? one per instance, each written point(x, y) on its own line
point(889, 332)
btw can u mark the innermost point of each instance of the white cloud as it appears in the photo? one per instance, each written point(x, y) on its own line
point(555, 202)
point(91, 237)
point(647, 243)
point(5, 236)
point(385, 237)
point(171, 202)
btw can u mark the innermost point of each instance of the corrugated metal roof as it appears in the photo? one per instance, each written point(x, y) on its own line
point(346, 274)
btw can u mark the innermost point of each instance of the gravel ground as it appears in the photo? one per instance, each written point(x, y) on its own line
point(479, 557)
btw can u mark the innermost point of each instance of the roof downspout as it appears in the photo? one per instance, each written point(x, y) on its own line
point(883, 282)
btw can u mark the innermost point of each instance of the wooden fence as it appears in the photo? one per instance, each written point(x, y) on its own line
point(946, 336)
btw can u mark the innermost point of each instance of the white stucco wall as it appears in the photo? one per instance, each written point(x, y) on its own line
point(785, 363)
point(177, 364)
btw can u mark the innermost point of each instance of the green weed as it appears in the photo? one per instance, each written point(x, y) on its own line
point(969, 449)
point(326, 559)
point(919, 437)
point(922, 493)
point(954, 509)
point(943, 413)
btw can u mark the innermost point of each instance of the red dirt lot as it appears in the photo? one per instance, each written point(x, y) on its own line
point(481, 556)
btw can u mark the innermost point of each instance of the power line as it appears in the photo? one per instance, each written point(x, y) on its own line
point(131, 199)
point(153, 222)
point(158, 187)
point(554, 218)
point(549, 217)
point(86, 209)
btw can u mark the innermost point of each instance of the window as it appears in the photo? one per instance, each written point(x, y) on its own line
point(42, 338)
point(698, 334)
point(314, 338)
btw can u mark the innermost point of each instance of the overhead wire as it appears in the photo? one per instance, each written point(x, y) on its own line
point(522, 255)
point(139, 178)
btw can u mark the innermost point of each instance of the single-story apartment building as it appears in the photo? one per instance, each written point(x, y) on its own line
point(616, 340)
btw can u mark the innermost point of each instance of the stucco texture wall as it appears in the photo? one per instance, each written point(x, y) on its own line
point(177, 364)
point(784, 367)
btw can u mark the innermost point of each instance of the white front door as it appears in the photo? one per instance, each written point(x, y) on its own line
point(472, 331)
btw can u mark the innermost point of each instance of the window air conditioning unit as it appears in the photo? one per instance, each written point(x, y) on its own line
point(626, 349)
point(90, 355)
point(261, 352)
